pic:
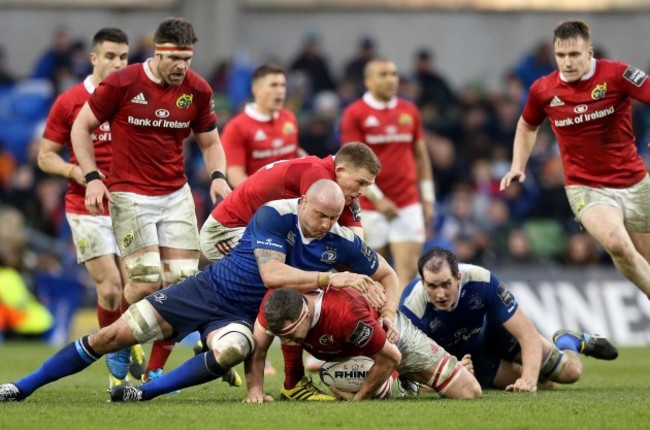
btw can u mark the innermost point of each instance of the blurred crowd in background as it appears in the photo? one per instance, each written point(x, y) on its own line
point(469, 134)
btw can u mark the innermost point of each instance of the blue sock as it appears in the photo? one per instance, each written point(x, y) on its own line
point(71, 359)
point(197, 370)
point(569, 341)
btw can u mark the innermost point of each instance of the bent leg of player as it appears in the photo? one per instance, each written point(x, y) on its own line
point(563, 367)
point(73, 358)
point(229, 346)
point(611, 216)
point(426, 362)
point(589, 344)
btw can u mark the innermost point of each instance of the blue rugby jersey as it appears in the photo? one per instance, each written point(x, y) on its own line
point(236, 278)
point(461, 330)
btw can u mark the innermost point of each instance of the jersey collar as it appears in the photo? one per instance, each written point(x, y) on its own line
point(376, 104)
point(318, 306)
point(88, 84)
point(149, 72)
point(251, 111)
point(588, 75)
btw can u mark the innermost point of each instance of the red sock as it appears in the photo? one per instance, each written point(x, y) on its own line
point(125, 305)
point(294, 370)
point(106, 317)
point(160, 351)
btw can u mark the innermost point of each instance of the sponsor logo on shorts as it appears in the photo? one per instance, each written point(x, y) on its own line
point(160, 297)
point(600, 91)
point(361, 334)
point(128, 239)
point(634, 75)
point(184, 101)
point(83, 244)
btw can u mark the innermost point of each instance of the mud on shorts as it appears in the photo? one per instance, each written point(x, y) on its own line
point(168, 220)
point(633, 201)
point(92, 235)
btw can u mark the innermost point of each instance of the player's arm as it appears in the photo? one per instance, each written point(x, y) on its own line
point(50, 161)
point(425, 178)
point(276, 274)
point(214, 158)
point(525, 137)
point(254, 366)
point(236, 175)
point(531, 351)
point(82, 145)
point(386, 361)
point(84, 150)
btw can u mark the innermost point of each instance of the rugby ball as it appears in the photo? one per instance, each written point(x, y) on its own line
point(348, 375)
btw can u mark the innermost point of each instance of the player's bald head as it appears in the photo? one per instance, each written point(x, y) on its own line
point(374, 65)
point(326, 192)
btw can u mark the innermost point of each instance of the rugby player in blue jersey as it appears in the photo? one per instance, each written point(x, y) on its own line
point(288, 243)
point(470, 313)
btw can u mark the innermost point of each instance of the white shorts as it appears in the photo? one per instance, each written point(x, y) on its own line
point(92, 235)
point(408, 226)
point(634, 202)
point(140, 221)
point(213, 232)
point(419, 352)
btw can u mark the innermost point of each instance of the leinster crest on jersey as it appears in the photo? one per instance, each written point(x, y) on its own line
point(184, 101)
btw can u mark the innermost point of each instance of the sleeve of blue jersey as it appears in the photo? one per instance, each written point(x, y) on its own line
point(268, 230)
point(360, 257)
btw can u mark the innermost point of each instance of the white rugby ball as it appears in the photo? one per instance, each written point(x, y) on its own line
point(349, 375)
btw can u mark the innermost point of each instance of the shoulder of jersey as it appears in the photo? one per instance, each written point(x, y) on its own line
point(285, 206)
point(471, 272)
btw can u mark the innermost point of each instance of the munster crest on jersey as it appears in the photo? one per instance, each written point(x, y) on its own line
point(288, 128)
point(599, 92)
point(184, 101)
point(326, 339)
point(405, 119)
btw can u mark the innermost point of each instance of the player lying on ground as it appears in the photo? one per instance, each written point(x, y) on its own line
point(338, 323)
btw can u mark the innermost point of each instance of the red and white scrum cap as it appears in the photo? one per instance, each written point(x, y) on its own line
point(172, 49)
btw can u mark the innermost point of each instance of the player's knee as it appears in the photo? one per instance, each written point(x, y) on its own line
point(617, 246)
point(233, 344)
point(564, 367)
point(142, 321)
point(561, 366)
point(179, 270)
point(449, 372)
point(144, 269)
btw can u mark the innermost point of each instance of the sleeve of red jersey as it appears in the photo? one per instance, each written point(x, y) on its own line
point(351, 215)
point(106, 99)
point(363, 330)
point(234, 144)
point(206, 118)
point(350, 129)
point(261, 321)
point(533, 112)
point(58, 125)
point(635, 82)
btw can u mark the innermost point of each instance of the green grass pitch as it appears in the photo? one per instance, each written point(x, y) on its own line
point(611, 395)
